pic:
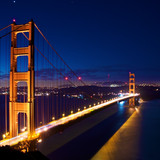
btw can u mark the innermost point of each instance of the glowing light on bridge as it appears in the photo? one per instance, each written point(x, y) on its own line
point(79, 78)
point(14, 20)
point(23, 129)
point(39, 140)
point(45, 129)
point(63, 120)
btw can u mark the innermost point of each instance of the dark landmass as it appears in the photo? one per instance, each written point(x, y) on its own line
point(148, 93)
point(8, 153)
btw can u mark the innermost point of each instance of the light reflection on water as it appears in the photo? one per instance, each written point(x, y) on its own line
point(121, 106)
point(124, 144)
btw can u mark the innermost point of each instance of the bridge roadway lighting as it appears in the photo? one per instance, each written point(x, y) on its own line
point(45, 129)
point(68, 118)
point(63, 115)
point(4, 136)
point(23, 129)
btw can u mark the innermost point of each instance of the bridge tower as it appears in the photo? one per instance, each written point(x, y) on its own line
point(16, 107)
point(131, 88)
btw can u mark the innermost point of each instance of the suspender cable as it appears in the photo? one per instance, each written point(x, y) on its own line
point(58, 54)
point(6, 60)
point(77, 77)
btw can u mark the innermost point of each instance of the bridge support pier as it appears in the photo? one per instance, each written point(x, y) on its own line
point(131, 89)
point(16, 107)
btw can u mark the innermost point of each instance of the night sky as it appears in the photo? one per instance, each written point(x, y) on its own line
point(97, 37)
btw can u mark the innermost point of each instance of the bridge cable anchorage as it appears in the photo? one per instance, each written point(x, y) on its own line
point(59, 55)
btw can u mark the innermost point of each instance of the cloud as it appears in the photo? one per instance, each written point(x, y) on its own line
point(102, 71)
point(119, 71)
point(49, 74)
point(116, 71)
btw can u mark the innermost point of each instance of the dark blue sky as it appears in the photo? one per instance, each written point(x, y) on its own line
point(97, 37)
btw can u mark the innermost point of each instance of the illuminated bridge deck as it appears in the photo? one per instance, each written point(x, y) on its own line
point(24, 136)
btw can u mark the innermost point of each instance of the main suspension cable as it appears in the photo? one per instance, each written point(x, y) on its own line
point(50, 62)
point(59, 55)
point(5, 27)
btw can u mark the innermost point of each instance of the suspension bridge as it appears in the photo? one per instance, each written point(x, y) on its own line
point(38, 89)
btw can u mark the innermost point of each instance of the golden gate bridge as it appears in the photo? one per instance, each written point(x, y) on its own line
point(40, 90)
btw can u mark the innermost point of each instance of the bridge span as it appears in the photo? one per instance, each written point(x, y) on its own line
point(36, 71)
point(24, 136)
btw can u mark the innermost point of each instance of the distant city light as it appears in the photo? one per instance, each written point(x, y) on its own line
point(47, 94)
point(66, 78)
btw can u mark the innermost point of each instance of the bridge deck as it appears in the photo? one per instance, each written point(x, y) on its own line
point(23, 136)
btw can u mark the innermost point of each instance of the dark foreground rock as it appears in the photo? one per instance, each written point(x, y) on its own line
point(8, 153)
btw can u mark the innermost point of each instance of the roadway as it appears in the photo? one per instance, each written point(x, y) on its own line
point(84, 138)
point(24, 136)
